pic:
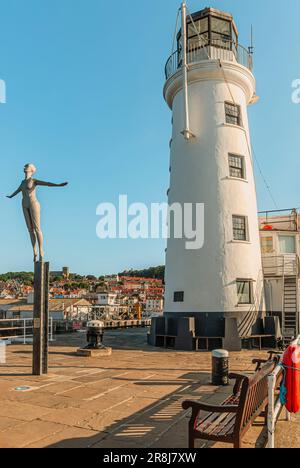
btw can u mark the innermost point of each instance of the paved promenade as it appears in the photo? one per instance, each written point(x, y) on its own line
point(130, 399)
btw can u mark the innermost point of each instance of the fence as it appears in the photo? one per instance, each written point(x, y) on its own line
point(19, 330)
point(215, 49)
point(280, 265)
point(275, 406)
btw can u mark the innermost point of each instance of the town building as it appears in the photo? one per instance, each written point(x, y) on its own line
point(64, 273)
point(154, 305)
point(59, 309)
point(280, 244)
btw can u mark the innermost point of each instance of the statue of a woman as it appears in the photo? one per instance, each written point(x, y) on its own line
point(31, 207)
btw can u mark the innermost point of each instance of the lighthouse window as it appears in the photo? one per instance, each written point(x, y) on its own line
point(236, 166)
point(198, 42)
point(221, 26)
point(198, 27)
point(221, 33)
point(244, 290)
point(233, 114)
point(179, 296)
point(240, 228)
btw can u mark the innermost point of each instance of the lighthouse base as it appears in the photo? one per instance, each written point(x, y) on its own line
point(202, 331)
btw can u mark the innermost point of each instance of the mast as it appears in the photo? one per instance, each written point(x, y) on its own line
point(186, 132)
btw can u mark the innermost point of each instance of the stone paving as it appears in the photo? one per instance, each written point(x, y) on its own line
point(128, 400)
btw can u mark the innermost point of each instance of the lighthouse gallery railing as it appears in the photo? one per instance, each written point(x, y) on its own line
point(216, 49)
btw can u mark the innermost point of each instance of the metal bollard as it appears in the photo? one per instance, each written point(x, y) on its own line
point(95, 331)
point(220, 367)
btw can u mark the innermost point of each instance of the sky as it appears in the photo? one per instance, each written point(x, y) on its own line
point(84, 103)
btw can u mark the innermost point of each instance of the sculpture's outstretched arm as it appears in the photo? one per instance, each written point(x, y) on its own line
point(15, 193)
point(50, 184)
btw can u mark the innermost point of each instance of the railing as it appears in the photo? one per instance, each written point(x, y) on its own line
point(281, 265)
point(275, 405)
point(21, 331)
point(279, 220)
point(215, 49)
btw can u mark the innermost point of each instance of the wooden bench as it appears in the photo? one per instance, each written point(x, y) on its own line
point(230, 421)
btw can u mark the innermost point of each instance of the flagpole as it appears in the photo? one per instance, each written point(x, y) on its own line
point(186, 132)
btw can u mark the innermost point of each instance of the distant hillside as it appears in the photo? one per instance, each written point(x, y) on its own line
point(153, 272)
point(23, 277)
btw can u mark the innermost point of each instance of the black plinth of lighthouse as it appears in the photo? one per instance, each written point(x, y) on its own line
point(208, 331)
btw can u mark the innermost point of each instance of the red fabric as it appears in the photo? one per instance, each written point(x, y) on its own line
point(292, 381)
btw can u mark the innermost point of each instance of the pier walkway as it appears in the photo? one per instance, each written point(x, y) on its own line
point(128, 400)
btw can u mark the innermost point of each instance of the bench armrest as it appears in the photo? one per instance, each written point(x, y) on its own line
point(274, 355)
point(197, 407)
point(239, 380)
point(259, 363)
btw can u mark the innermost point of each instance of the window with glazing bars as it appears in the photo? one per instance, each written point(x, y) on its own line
point(267, 245)
point(233, 114)
point(240, 228)
point(179, 296)
point(236, 166)
point(244, 291)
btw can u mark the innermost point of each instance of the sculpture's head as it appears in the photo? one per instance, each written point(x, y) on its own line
point(29, 169)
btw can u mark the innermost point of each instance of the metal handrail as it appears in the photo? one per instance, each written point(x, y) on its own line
point(279, 217)
point(214, 49)
point(282, 263)
point(24, 326)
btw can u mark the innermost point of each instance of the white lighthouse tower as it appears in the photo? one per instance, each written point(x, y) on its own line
point(210, 84)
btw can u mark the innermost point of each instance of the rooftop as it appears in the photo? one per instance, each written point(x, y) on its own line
point(54, 304)
point(280, 220)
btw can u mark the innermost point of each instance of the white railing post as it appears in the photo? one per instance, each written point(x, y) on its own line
point(271, 415)
point(24, 329)
point(51, 329)
point(274, 403)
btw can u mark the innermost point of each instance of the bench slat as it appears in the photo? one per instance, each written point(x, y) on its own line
point(228, 428)
point(224, 426)
point(211, 418)
point(214, 424)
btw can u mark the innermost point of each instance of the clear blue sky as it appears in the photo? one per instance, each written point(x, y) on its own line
point(84, 103)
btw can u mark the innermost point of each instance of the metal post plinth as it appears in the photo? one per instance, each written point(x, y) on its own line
point(40, 319)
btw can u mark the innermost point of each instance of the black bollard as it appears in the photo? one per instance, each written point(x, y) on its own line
point(95, 331)
point(220, 368)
